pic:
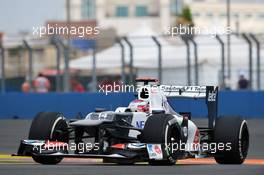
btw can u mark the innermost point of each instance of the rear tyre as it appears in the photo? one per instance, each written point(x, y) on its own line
point(44, 127)
point(232, 131)
point(162, 129)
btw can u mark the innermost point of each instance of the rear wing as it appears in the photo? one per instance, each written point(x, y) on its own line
point(209, 93)
point(184, 91)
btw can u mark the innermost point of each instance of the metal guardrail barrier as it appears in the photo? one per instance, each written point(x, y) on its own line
point(222, 44)
point(123, 77)
point(94, 77)
point(131, 62)
point(196, 71)
point(159, 58)
point(188, 59)
point(30, 64)
point(258, 66)
point(2, 50)
point(66, 74)
point(58, 55)
point(247, 39)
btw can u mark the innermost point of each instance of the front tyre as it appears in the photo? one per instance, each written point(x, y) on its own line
point(232, 131)
point(162, 129)
point(45, 126)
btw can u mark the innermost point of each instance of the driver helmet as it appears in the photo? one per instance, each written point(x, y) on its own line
point(139, 106)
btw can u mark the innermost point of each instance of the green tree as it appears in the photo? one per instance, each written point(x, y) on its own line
point(185, 17)
point(186, 14)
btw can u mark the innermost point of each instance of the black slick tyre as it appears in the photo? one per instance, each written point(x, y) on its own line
point(44, 127)
point(162, 129)
point(232, 131)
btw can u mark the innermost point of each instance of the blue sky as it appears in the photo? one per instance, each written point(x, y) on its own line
point(17, 15)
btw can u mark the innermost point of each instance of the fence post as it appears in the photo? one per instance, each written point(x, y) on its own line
point(185, 40)
point(30, 66)
point(58, 55)
point(66, 74)
point(258, 60)
point(250, 59)
point(94, 78)
point(159, 58)
point(2, 68)
point(123, 78)
point(196, 71)
point(131, 72)
point(222, 44)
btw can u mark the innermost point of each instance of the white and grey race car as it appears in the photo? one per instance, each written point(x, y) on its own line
point(149, 129)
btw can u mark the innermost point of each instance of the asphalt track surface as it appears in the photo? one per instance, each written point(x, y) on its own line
point(11, 131)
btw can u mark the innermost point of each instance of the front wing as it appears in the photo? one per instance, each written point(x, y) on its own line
point(129, 151)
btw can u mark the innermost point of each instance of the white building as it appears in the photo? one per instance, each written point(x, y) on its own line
point(126, 15)
point(246, 15)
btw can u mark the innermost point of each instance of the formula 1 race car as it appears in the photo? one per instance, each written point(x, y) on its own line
point(147, 130)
